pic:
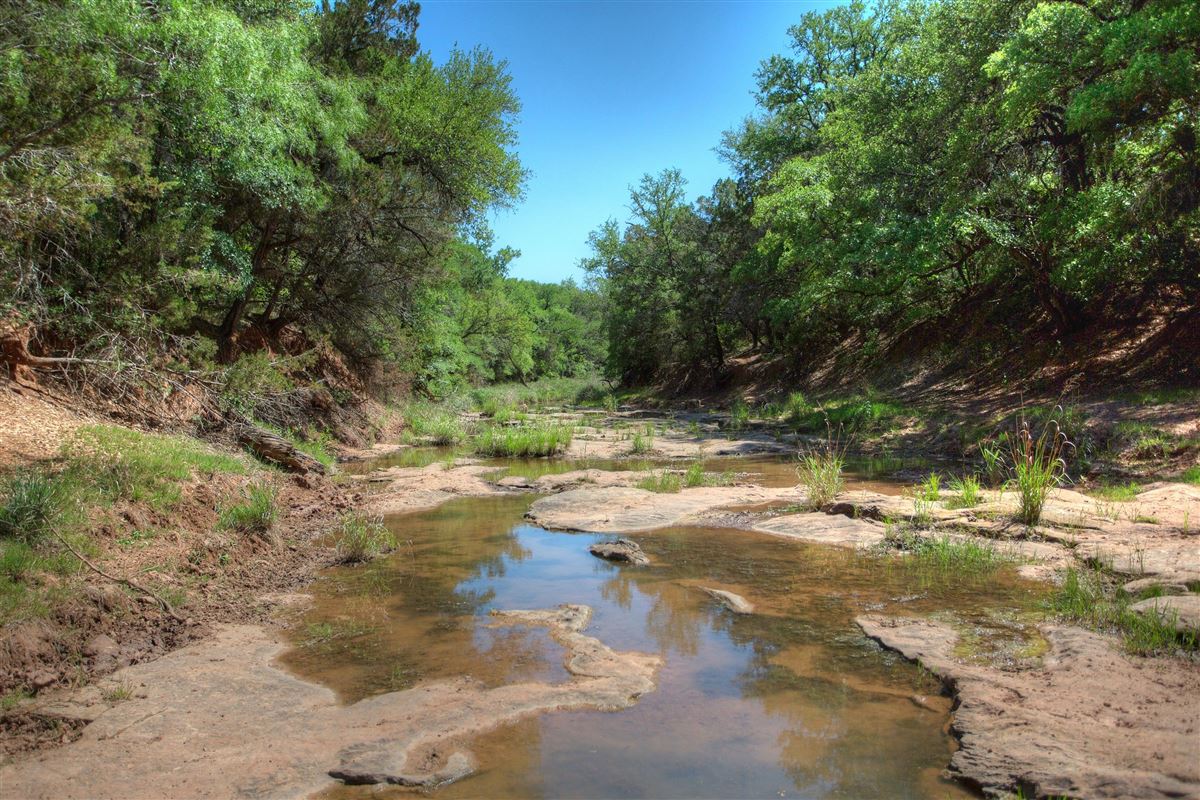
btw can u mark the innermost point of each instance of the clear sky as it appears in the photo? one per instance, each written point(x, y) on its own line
point(610, 91)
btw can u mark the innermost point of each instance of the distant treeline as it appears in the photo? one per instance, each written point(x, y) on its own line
point(917, 163)
point(195, 177)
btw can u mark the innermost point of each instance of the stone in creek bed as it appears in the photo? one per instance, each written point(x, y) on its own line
point(623, 550)
point(734, 602)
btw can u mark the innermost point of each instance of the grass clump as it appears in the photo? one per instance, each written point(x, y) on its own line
point(1035, 465)
point(642, 441)
point(820, 472)
point(1092, 598)
point(863, 414)
point(944, 553)
point(434, 424)
point(661, 482)
point(34, 504)
point(1191, 475)
point(254, 515)
point(739, 414)
point(931, 487)
point(966, 491)
point(360, 538)
point(542, 439)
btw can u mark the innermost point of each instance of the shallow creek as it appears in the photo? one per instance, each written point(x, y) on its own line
point(792, 701)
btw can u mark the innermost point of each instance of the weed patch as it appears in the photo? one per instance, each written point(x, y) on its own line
point(360, 538)
point(662, 482)
point(254, 515)
point(1091, 598)
point(542, 439)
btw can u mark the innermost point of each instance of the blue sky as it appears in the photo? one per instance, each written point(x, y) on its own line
point(610, 91)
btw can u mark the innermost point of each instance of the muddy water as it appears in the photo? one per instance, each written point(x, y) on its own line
point(790, 702)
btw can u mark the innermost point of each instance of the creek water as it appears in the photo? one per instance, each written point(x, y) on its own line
point(792, 701)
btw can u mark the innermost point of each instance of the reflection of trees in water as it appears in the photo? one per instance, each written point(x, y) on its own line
point(672, 620)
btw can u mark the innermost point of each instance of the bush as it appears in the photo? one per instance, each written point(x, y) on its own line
point(255, 515)
point(360, 538)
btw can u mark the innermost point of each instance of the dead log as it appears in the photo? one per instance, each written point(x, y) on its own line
point(274, 448)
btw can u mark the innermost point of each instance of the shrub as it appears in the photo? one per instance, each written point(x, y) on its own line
point(254, 515)
point(820, 472)
point(360, 538)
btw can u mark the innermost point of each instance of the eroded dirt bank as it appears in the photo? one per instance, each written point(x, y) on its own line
point(218, 719)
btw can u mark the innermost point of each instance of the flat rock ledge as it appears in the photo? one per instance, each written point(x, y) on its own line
point(623, 550)
point(218, 720)
point(1090, 722)
point(1181, 610)
point(624, 509)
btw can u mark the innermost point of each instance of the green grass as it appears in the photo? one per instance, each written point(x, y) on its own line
point(34, 503)
point(860, 414)
point(359, 538)
point(1037, 464)
point(931, 487)
point(1156, 397)
point(662, 482)
point(739, 414)
point(582, 391)
point(1191, 475)
point(642, 441)
point(254, 515)
point(435, 424)
point(967, 492)
point(820, 472)
point(123, 464)
point(539, 439)
point(943, 553)
point(1118, 493)
point(1091, 598)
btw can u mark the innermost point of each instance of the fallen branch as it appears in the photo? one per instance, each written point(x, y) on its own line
point(132, 584)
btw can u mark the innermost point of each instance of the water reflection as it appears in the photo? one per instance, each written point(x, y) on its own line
point(791, 701)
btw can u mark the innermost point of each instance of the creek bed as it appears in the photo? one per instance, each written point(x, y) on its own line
point(792, 701)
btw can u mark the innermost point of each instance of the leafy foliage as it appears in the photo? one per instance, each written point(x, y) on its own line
point(914, 159)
